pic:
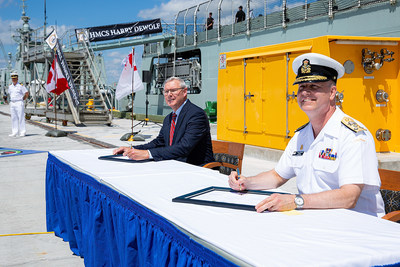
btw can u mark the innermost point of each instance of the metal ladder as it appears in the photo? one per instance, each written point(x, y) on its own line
point(94, 104)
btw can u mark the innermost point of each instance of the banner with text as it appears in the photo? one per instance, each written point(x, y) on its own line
point(67, 73)
point(116, 31)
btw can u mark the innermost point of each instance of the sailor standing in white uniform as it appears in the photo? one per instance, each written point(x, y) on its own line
point(333, 156)
point(18, 93)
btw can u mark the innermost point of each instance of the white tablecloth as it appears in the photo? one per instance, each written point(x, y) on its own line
point(304, 238)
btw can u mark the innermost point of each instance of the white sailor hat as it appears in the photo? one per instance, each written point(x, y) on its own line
point(14, 75)
point(313, 67)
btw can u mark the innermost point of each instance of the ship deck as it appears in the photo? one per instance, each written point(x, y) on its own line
point(24, 237)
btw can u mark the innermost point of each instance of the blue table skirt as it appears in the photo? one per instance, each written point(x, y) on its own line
point(109, 229)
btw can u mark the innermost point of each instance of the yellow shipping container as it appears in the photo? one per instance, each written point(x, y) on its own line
point(257, 102)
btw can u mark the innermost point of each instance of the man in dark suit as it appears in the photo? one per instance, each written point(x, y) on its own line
point(185, 134)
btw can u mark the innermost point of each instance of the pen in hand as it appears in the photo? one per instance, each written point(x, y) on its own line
point(238, 177)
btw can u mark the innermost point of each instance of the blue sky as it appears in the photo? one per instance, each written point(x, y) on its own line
point(74, 14)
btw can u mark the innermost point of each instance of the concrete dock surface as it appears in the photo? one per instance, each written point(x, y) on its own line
point(24, 240)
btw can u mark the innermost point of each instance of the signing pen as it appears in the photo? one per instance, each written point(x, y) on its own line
point(238, 177)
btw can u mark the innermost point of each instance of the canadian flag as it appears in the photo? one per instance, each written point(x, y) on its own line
point(129, 73)
point(56, 82)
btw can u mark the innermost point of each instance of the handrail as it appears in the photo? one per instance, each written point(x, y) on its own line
point(219, 20)
point(303, 10)
point(195, 26)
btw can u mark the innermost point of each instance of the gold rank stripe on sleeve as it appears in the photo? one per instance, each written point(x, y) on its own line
point(352, 125)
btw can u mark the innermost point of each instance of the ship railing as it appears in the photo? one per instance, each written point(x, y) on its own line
point(34, 47)
point(69, 41)
point(260, 15)
point(35, 54)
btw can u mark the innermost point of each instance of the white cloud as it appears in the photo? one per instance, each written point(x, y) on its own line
point(5, 3)
point(167, 11)
point(64, 32)
point(113, 62)
point(7, 28)
point(115, 57)
point(114, 54)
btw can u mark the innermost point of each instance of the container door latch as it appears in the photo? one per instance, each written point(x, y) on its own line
point(249, 96)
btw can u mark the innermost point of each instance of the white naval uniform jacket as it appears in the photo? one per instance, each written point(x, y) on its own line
point(16, 92)
point(17, 107)
point(336, 157)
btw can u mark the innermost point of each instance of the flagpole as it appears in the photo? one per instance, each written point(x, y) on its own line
point(124, 89)
point(54, 97)
point(133, 85)
point(55, 109)
point(55, 132)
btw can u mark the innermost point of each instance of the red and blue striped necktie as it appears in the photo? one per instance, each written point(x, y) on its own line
point(171, 131)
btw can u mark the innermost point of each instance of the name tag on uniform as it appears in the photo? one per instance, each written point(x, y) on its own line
point(298, 153)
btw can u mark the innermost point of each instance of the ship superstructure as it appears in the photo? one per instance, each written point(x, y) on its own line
point(197, 55)
point(193, 54)
point(33, 59)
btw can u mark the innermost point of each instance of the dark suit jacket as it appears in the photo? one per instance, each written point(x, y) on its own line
point(192, 138)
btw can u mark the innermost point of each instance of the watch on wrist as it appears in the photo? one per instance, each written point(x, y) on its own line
point(299, 201)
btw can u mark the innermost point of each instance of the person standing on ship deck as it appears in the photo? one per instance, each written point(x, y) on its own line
point(240, 15)
point(210, 22)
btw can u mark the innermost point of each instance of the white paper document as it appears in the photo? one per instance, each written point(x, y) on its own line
point(232, 197)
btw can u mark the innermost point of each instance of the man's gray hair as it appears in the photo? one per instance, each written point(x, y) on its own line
point(182, 83)
point(333, 83)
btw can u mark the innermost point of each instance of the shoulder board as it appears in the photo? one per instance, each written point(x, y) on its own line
point(302, 127)
point(352, 125)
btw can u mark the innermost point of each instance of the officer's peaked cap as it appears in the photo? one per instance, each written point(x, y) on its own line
point(313, 67)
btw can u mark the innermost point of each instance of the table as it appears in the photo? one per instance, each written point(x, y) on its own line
point(121, 214)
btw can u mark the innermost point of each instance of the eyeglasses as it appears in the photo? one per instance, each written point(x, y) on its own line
point(172, 91)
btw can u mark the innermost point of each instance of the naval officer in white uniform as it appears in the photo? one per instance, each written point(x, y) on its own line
point(18, 93)
point(333, 156)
